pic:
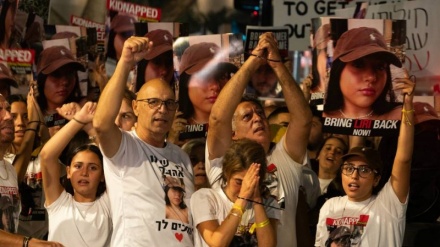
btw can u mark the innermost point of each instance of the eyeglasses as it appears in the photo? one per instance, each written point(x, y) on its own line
point(155, 103)
point(363, 171)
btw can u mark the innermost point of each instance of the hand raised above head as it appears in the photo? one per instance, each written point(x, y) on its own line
point(406, 84)
point(135, 48)
point(267, 49)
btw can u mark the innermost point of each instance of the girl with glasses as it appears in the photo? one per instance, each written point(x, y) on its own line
point(374, 216)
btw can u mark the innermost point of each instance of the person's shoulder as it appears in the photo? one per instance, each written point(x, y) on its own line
point(331, 114)
point(394, 114)
point(204, 193)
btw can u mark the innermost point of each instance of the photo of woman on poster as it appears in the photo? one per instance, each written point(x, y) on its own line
point(176, 208)
point(8, 10)
point(360, 85)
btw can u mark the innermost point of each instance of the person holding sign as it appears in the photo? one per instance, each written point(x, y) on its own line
point(234, 117)
point(375, 217)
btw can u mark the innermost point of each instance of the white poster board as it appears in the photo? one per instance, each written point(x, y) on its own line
point(297, 15)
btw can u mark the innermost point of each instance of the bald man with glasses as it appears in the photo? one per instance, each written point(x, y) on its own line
point(137, 163)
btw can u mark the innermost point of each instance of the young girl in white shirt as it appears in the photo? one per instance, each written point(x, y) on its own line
point(83, 217)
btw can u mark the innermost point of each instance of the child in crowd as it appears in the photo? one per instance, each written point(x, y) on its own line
point(368, 215)
point(79, 213)
point(240, 213)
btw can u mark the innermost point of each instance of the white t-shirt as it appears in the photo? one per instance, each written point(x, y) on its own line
point(324, 183)
point(73, 223)
point(285, 182)
point(34, 221)
point(377, 221)
point(213, 204)
point(10, 205)
point(135, 183)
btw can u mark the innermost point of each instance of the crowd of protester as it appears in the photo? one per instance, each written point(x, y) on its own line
point(116, 173)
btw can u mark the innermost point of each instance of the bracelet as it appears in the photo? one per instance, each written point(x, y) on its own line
point(259, 225)
point(268, 59)
point(26, 241)
point(407, 111)
point(405, 115)
point(76, 120)
point(241, 209)
point(31, 129)
point(235, 212)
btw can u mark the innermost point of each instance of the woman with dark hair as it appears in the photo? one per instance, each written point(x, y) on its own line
point(57, 79)
point(121, 28)
point(7, 23)
point(240, 213)
point(375, 216)
point(195, 148)
point(360, 85)
point(158, 62)
point(175, 205)
point(79, 215)
point(329, 160)
point(19, 114)
point(202, 76)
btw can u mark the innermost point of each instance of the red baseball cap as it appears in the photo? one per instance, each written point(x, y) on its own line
point(122, 23)
point(360, 42)
point(55, 57)
point(195, 57)
point(162, 42)
point(370, 155)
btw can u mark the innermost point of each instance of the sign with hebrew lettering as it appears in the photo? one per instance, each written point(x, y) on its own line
point(422, 55)
point(297, 15)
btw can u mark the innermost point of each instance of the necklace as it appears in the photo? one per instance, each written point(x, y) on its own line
point(361, 117)
point(195, 121)
point(6, 170)
point(358, 211)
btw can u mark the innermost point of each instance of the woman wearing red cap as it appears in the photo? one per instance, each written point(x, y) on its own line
point(57, 79)
point(376, 217)
point(360, 85)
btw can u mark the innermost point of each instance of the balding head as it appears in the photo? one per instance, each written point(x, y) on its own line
point(154, 85)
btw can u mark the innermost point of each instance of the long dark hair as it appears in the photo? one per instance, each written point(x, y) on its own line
point(182, 204)
point(334, 98)
point(6, 4)
point(85, 147)
point(164, 59)
point(185, 104)
point(42, 99)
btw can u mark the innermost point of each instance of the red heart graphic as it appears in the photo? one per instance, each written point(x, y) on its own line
point(179, 236)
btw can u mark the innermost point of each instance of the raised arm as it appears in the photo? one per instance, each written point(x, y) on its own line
point(111, 97)
point(400, 174)
point(220, 120)
point(297, 133)
point(52, 149)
